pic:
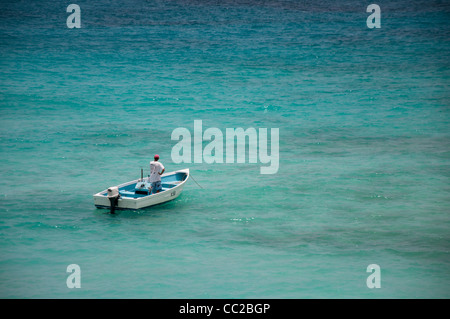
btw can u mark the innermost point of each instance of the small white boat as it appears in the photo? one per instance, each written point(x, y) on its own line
point(136, 194)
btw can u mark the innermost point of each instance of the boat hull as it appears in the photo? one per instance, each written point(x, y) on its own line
point(173, 184)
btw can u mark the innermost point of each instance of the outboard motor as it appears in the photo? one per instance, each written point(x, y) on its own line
point(113, 196)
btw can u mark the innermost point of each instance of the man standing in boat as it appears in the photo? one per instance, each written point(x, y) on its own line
point(156, 170)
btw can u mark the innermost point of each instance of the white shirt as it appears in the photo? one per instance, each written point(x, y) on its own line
point(155, 168)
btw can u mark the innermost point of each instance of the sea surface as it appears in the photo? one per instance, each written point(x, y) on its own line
point(364, 148)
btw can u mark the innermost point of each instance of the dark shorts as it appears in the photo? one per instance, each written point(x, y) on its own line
point(156, 186)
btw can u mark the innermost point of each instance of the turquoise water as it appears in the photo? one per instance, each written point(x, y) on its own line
point(363, 116)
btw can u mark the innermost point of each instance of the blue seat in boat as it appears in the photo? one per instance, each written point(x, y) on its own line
point(126, 193)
